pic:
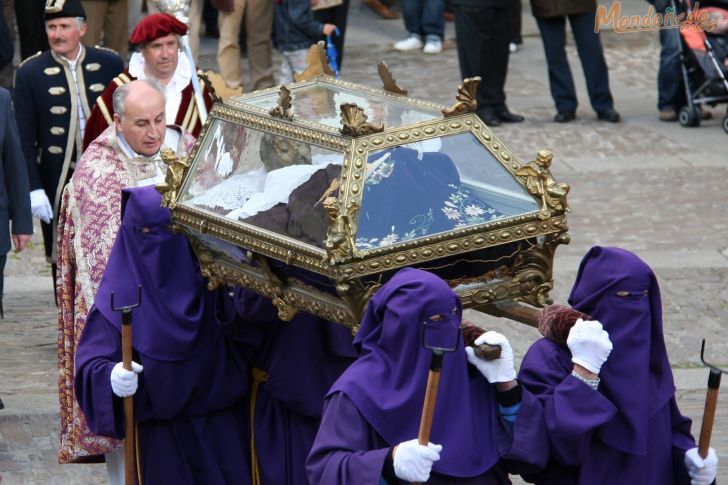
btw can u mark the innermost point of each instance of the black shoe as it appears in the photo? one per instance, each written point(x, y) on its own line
point(610, 115)
point(490, 118)
point(564, 116)
point(507, 117)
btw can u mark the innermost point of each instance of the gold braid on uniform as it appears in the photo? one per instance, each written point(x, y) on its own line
point(259, 376)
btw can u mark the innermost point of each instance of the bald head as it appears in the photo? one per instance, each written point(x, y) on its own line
point(139, 115)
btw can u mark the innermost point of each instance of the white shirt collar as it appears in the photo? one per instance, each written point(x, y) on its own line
point(180, 79)
point(72, 62)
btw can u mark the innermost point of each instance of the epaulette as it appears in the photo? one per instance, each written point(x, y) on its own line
point(29, 58)
point(121, 79)
point(102, 48)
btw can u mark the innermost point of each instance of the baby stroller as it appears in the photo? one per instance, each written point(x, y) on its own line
point(704, 59)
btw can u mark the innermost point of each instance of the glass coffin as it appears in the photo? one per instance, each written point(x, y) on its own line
point(315, 193)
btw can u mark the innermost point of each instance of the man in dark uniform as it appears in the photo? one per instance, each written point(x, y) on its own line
point(54, 93)
point(483, 34)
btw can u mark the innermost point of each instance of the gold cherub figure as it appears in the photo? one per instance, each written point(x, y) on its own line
point(176, 168)
point(339, 240)
point(540, 182)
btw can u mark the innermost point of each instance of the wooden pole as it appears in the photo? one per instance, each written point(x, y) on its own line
point(428, 408)
point(128, 401)
point(711, 401)
point(512, 310)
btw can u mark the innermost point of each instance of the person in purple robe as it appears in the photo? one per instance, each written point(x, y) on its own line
point(480, 432)
point(612, 416)
point(188, 380)
point(294, 363)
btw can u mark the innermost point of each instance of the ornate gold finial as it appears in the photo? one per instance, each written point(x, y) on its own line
point(176, 168)
point(388, 82)
point(355, 121)
point(356, 295)
point(540, 182)
point(216, 86)
point(286, 310)
point(206, 260)
point(283, 108)
point(317, 62)
point(340, 236)
point(467, 98)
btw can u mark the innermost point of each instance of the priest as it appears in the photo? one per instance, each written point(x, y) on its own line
point(125, 155)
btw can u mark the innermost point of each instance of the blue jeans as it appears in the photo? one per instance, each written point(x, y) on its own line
point(424, 17)
point(669, 76)
point(670, 93)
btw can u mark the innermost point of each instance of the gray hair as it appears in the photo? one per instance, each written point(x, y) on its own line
point(79, 23)
point(122, 92)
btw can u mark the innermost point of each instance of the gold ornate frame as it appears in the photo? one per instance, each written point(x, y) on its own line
point(353, 272)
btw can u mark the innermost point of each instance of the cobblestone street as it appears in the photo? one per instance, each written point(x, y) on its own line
point(655, 188)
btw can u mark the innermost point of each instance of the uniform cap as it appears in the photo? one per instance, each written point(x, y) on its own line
point(154, 26)
point(63, 8)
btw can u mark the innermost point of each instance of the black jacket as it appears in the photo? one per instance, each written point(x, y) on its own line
point(295, 26)
point(14, 191)
point(560, 8)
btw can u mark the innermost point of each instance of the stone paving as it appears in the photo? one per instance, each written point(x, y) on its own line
point(655, 188)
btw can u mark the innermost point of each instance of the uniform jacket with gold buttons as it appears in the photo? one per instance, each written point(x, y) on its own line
point(46, 110)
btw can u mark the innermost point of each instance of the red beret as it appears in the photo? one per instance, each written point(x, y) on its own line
point(154, 26)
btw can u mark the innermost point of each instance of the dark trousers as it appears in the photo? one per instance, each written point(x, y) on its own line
point(516, 14)
point(589, 47)
point(3, 258)
point(483, 34)
point(337, 16)
point(31, 26)
point(48, 238)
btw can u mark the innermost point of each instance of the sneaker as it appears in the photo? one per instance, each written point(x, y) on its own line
point(413, 42)
point(513, 47)
point(433, 45)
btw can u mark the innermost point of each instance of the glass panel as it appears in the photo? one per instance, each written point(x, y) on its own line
point(434, 186)
point(320, 103)
point(270, 181)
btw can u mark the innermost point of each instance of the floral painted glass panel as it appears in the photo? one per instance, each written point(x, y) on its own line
point(434, 186)
point(266, 180)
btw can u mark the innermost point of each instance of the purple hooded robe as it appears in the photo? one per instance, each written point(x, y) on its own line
point(630, 431)
point(189, 404)
point(377, 402)
point(293, 366)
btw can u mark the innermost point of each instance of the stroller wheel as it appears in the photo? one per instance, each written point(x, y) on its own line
point(725, 123)
point(689, 116)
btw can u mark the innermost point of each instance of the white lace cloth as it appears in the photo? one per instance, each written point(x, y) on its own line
point(244, 195)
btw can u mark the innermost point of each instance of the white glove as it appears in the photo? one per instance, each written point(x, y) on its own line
point(40, 206)
point(589, 344)
point(124, 382)
point(702, 471)
point(497, 370)
point(413, 461)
